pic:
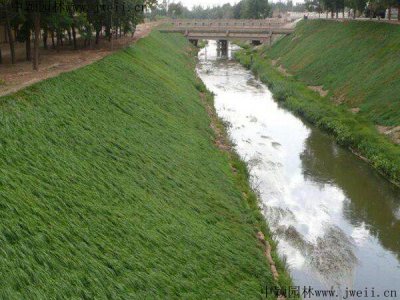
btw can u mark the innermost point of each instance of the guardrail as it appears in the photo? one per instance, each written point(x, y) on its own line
point(229, 31)
point(228, 22)
point(225, 29)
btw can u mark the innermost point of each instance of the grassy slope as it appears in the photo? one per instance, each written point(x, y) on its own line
point(353, 131)
point(357, 60)
point(111, 187)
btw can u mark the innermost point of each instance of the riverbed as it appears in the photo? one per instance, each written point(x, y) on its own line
point(337, 221)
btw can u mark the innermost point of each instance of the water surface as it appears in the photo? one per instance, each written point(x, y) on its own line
point(337, 221)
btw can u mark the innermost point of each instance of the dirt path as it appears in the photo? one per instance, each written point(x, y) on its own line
point(52, 63)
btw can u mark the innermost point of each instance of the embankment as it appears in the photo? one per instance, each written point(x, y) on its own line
point(112, 187)
point(355, 62)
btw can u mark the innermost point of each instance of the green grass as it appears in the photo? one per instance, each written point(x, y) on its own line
point(353, 131)
point(356, 61)
point(112, 187)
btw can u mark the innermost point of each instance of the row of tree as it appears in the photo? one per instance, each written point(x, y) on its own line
point(245, 9)
point(369, 8)
point(58, 20)
point(288, 6)
point(255, 9)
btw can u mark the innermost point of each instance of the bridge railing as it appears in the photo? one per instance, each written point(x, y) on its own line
point(231, 23)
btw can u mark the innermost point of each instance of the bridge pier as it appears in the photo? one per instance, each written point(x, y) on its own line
point(222, 44)
point(256, 42)
point(222, 47)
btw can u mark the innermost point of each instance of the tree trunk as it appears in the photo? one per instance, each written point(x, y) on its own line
point(390, 13)
point(5, 35)
point(12, 44)
point(1, 57)
point(28, 46)
point(74, 36)
point(109, 31)
point(45, 35)
point(58, 34)
point(69, 37)
point(52, 40)
point(97, 36)
point(10, 36)
point(36, 42)
point(398, 12)
point(16, 32)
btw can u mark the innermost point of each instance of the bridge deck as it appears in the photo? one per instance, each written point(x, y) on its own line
point(227, 22)
point(229, 29)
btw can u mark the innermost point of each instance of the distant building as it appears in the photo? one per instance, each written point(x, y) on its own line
point(394, 11)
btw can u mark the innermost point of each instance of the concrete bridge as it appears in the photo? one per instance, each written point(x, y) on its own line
point(257, 31)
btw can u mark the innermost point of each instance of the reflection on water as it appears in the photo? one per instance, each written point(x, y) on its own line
point(336, 220)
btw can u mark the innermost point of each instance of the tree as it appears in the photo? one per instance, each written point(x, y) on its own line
point(245, 9)
point(313, 5)
point(8, 15)
point(175, 9)
point(375, 8)
point(357, 6)
point(237, 10)
point(255, 9)
point(85, 16)
point(389, 4)
point(36, 41)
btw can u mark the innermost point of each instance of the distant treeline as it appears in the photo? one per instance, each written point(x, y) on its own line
point(371, 8)
point(245, 9)
point(56, 20)
point(259, 9)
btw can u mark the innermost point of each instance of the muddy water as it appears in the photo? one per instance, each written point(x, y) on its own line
point(336, 220)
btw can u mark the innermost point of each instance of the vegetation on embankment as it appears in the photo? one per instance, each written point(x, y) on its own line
point(112, 187)
point(358, 62)
point(353, 131)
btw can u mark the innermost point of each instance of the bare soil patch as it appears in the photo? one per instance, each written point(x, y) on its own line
point(52, 63)
point(280, 68)
point(355, 110)
point(393, 132)
point(274, 62)
point(319, 89)
point(338, 99)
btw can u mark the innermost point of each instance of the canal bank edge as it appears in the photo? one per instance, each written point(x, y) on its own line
point(278, 267)
point(354, 132)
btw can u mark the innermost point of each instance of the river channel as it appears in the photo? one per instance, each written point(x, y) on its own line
point(336, 220)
